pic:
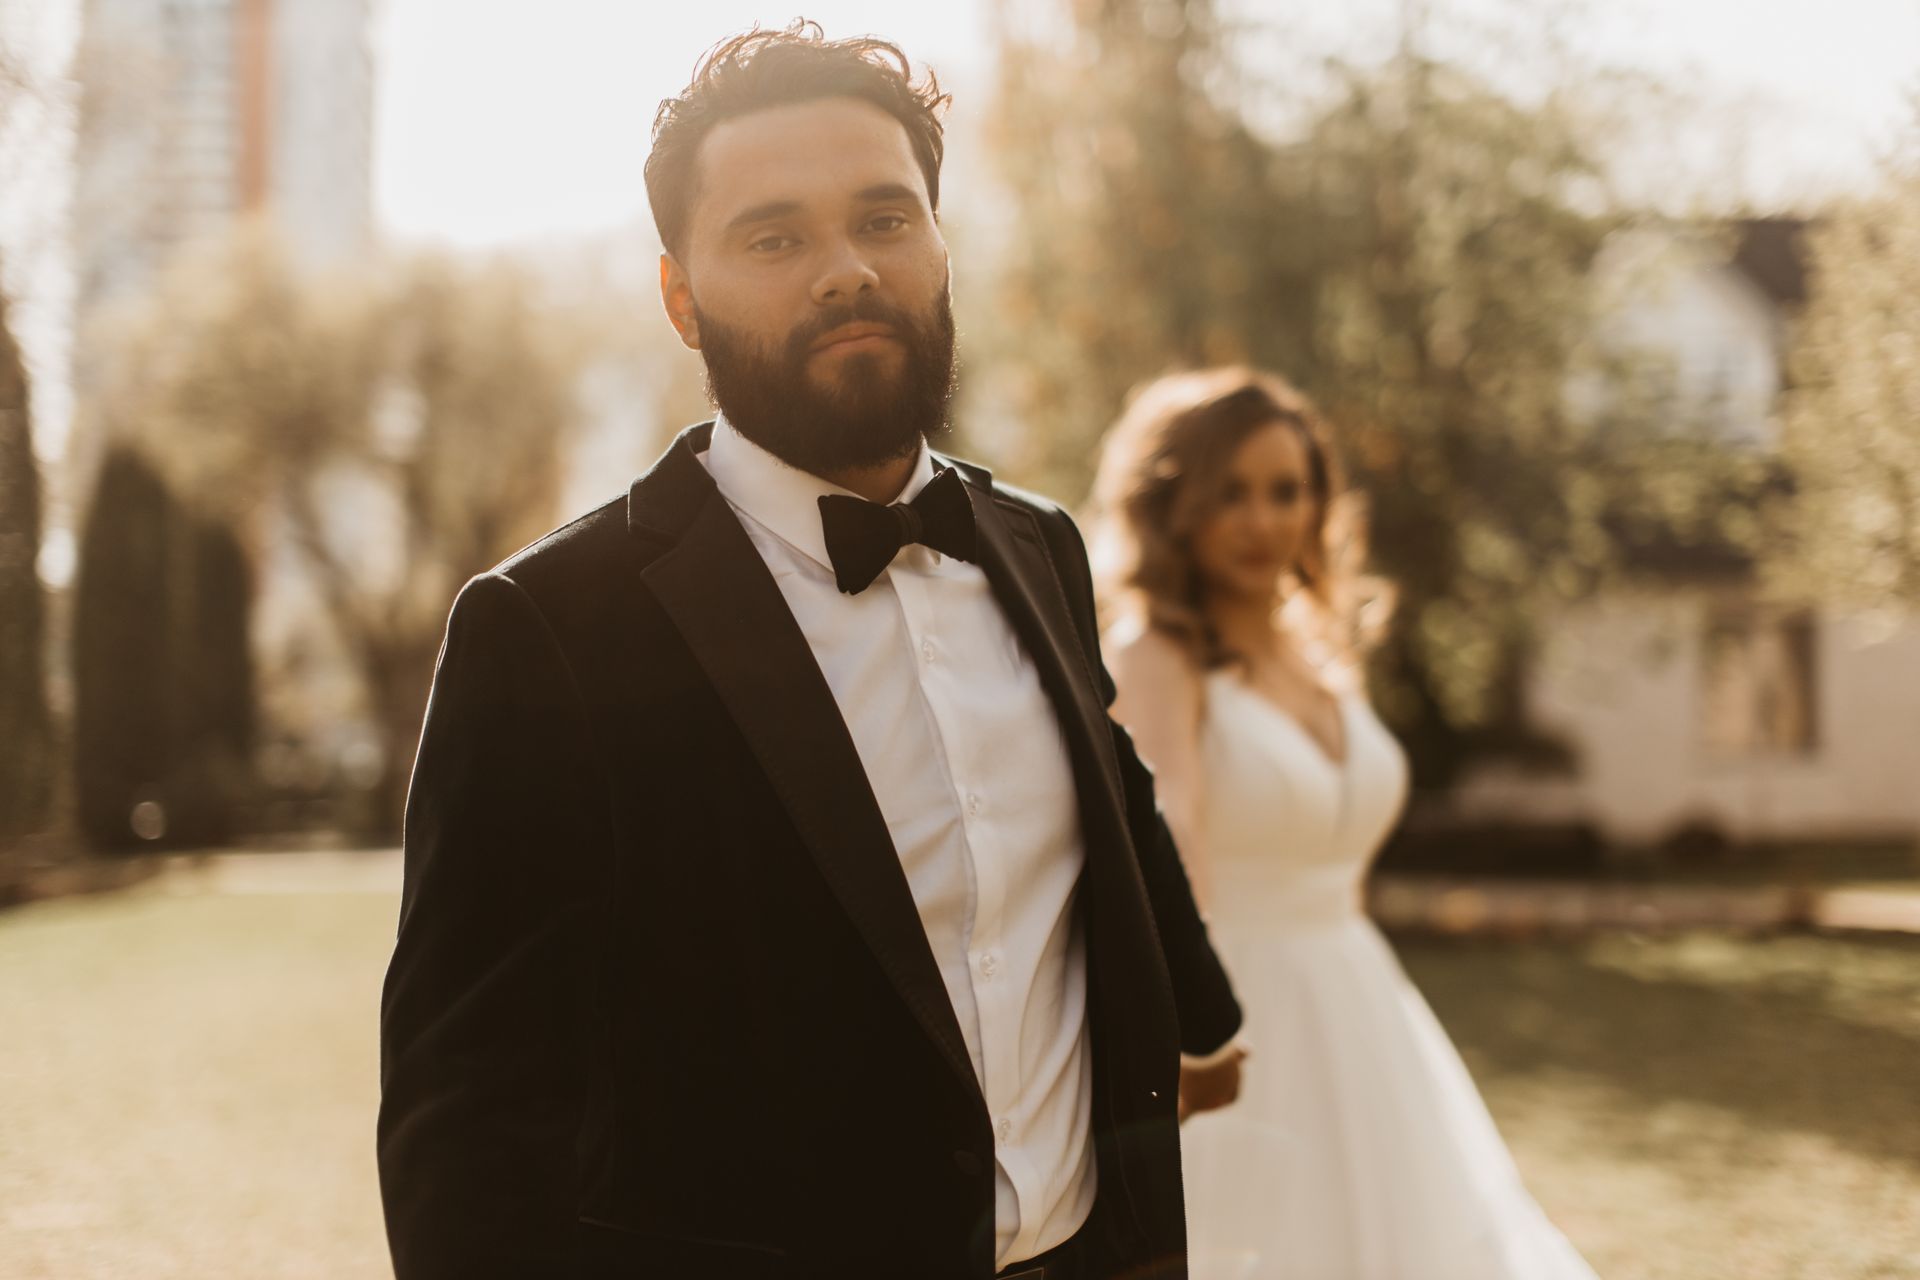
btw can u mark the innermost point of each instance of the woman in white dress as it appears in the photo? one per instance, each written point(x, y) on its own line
point(1359, 1148)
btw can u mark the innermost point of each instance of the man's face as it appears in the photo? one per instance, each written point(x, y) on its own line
point(813, 282)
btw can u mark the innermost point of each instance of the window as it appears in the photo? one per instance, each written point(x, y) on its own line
point(1758, 682)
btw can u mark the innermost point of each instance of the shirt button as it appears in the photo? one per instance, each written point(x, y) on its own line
point(926, 650)
point(989, 964)
point(1005, 1131)
point(973, 806)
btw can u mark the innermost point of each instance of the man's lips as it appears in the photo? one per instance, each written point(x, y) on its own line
point(859, 334)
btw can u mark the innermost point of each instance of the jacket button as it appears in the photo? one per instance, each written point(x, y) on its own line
point(968, 1163)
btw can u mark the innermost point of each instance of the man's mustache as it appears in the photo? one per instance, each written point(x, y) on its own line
point(870, 310)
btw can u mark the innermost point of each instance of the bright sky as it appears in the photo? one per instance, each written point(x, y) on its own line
point(501, 120)
point(504, 119)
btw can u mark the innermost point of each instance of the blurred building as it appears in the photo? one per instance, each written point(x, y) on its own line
point(195, 114)
point(1691, 708)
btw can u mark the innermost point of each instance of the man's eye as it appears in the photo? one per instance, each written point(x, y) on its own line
point(1287, 492)
point(887, 222)
point(771, 244)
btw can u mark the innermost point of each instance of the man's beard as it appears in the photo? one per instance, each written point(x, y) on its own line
point(866, 419)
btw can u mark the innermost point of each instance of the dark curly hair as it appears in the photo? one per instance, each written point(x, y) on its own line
point(763, 68)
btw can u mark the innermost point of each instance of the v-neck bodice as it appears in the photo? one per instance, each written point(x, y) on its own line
point(1290, 830)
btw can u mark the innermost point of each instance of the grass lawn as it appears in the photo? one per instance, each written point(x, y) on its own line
point(1703, 1107)
point(187, 1087)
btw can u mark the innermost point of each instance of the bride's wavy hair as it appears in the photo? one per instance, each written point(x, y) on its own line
point(1163, 472)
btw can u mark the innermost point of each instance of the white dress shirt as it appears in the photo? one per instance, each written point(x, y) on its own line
point(965, 755)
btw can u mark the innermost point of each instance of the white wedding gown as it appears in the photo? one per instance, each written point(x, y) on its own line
point(1359, 1148)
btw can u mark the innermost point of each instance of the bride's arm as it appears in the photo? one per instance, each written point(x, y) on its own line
point(1161, 699)
point(1159, 703)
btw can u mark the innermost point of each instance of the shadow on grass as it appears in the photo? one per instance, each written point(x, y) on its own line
point(1778, 1055)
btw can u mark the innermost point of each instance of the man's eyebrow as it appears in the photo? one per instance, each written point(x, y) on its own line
point(763, 212)
point(887, 191)
point(767, 210)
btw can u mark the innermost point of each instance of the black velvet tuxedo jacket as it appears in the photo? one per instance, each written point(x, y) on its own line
point(661, 1004)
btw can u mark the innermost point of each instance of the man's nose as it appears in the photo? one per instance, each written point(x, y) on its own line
point(845, 275)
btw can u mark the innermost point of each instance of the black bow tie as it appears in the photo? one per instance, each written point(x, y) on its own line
point(863, 537)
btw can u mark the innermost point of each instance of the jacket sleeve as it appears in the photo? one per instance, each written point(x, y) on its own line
point(1209, 1013)
point(482, 1020)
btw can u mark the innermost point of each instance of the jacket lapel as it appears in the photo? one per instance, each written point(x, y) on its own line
point(1021, 573)
point(1127, 965)
point(714, 585)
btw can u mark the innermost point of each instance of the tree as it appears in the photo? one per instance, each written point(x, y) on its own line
point(1443, 259)
point(397, 432)
point(1140, 229)
point(1852, 426)
point(26, 748)
point(1416, 254)
point(163, 700)
point(121, 677)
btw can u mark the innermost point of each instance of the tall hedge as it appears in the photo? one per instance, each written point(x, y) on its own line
point(163, 681)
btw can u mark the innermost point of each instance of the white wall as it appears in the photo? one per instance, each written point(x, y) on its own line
point(1621, 682)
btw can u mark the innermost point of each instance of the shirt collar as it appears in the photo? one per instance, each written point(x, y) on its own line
point(785, 499)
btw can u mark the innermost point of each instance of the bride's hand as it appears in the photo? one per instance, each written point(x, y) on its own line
point(1211, 1083)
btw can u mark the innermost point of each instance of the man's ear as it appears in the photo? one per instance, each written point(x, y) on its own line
point(676, 295)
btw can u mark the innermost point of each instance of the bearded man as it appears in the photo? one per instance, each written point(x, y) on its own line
point(780, 898)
